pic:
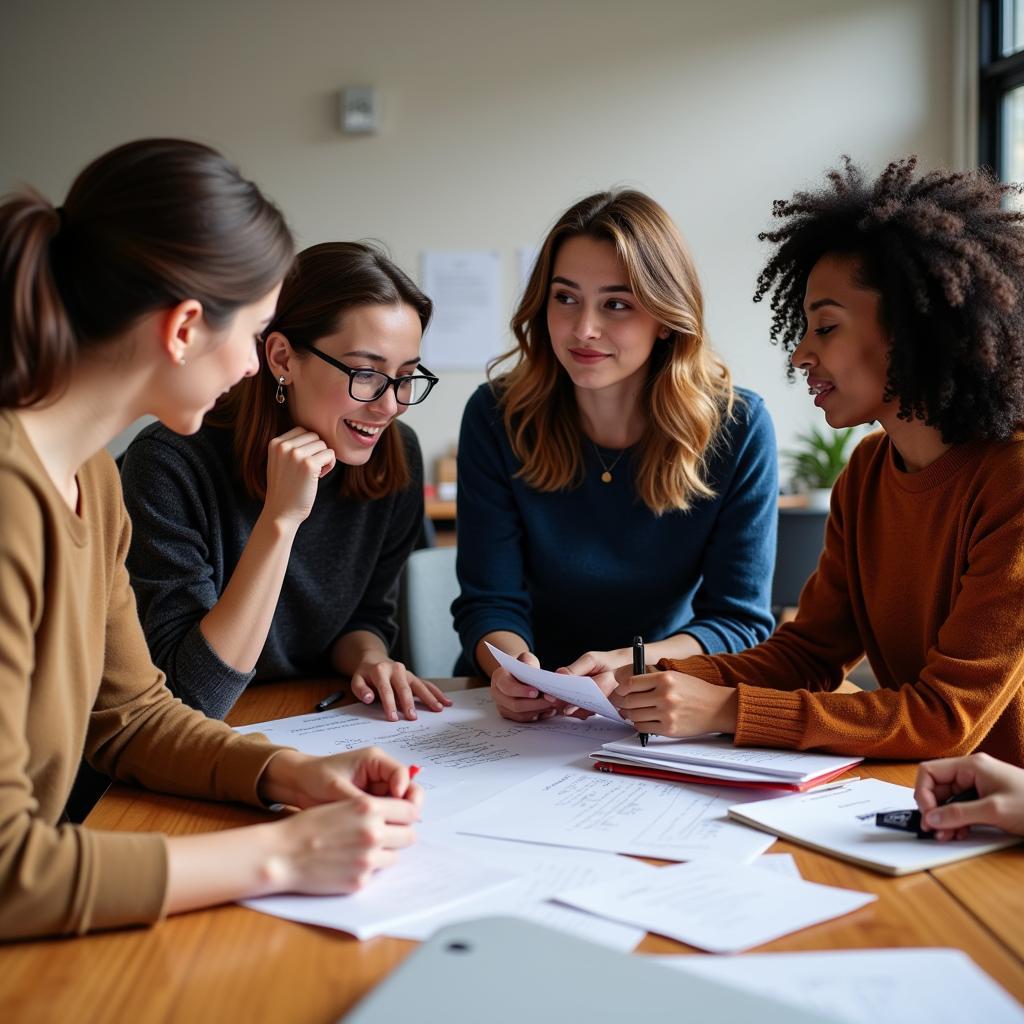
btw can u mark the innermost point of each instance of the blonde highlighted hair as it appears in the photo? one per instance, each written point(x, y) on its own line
point(688, 393)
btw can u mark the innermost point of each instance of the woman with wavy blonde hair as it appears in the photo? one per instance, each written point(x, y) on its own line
point(612, 482)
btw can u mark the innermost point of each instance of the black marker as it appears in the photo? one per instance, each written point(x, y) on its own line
point(639, 668)
point(329, 701)
point(910, 821)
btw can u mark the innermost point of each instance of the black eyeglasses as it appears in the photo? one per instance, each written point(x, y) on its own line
point(369, 385)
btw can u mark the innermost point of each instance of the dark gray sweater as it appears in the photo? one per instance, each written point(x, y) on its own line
point(191, 519)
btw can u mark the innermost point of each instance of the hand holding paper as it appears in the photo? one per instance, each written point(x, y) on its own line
point(581, 691)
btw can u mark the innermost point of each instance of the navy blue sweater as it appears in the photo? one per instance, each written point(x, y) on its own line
point(588, 568)
point(191, 519)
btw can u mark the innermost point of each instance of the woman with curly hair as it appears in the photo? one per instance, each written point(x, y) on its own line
point(613, 481)
point(902, 301)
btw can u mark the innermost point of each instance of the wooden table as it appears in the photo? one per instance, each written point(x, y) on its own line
point(231, 963)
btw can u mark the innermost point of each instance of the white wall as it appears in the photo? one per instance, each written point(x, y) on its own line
point(497, 114)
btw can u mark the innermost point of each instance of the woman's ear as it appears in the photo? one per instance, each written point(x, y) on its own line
point(180, 329)
point(665, 333)
point(280, 354)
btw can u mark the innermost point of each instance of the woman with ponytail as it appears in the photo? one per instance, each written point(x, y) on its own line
point(269, 544)
point(612, 482)
point(142, 294)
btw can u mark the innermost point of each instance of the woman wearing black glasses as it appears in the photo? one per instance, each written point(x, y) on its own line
point(230, 589)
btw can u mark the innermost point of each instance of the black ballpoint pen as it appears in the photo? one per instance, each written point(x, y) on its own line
point(639, 668)
point(329, 701)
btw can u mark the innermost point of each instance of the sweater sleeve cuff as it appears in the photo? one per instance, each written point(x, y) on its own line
point(129, 883)
point(202, 680)
point(700, 665)
point(769, 718)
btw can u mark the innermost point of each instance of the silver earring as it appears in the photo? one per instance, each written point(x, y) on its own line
point(280, 391)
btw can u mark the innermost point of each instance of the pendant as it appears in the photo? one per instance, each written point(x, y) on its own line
point(606, 477)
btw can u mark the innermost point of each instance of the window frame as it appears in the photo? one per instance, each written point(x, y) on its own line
point(997, 76)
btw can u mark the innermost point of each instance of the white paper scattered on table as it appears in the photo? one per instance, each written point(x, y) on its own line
point(467, 326)
point(840, 819)
point(466, 753)
point(545, 871)
point(780, 863)
point(579, 690)
point(866, 986)
point(723, 908)
point(425, 877)
point(578, 807)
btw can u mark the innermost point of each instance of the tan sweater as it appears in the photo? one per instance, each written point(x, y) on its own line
point(76, 676)
point(923, 572)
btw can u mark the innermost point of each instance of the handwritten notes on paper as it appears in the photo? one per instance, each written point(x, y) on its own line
point(579, 690)
point(573, 806)
point(467, 753)
point(724, 908)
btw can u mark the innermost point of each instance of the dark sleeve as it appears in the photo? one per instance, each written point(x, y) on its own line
point(172, 562)
point(376, 611)
point(732, 606)
point(492, 577)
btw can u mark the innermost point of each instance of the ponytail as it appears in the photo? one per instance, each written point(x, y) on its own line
point(37, 340)
point(143, 227)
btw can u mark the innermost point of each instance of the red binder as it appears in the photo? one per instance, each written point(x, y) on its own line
point(704, 780)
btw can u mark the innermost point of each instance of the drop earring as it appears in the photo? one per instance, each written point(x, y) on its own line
point(279, 396)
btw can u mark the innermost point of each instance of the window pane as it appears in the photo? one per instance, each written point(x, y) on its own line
point(1011, 159)
point(1013, 26)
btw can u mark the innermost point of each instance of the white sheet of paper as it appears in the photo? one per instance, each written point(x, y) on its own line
point(866, 986)
point(840, 819)
point(466, 753)
point(719, 751)
point(780, 863)
point(579, 690)
point(467, 328)
point(723, 908)
point(594, 811)
point(426, 877)
point(546, 871)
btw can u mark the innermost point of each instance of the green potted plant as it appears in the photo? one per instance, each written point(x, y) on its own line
point(820, 458)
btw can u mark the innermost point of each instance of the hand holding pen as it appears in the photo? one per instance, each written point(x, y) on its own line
point(639, 668)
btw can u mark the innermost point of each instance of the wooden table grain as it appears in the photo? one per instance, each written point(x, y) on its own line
point(230, 963)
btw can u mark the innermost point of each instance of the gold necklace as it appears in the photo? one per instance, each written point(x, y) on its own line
point(606, 476)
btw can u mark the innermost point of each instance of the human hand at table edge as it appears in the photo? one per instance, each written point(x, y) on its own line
point(1000, 789)
point(301, 780)
point(331, 849)
point(664, 703)
point(362, 655)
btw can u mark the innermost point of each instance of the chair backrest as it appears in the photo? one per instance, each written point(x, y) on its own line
point(801, 538)
point(427, 641)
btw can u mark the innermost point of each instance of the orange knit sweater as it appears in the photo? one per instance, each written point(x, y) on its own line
point(922, 572)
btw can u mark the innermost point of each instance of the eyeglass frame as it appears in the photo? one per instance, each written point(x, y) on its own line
point(390, 382)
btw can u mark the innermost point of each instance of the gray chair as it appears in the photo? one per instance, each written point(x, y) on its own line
point(801, 538)
point(427, 641)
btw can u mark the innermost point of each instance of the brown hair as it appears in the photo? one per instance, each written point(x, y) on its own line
point(145, 226)
point(329, 279)
point(688, 393)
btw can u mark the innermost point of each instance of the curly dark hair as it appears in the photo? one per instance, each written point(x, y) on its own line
point(947, 259)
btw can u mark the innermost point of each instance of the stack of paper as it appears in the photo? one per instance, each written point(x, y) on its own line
point(715, 759)
point(840, 820)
